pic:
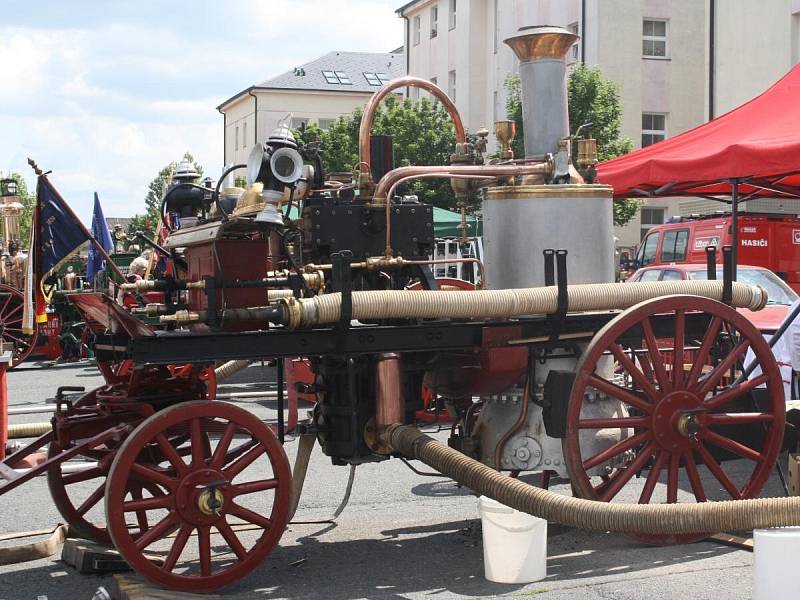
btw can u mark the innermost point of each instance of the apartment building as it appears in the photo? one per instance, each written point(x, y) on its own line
point(316, 92)
point(676, 62)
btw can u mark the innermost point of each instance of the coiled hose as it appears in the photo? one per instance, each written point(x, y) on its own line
point(503, 304)
point(227, 369)
point(590, 514)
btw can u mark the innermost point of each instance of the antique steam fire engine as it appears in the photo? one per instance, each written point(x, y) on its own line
point(548, 366)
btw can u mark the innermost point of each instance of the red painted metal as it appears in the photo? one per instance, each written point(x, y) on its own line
point(11, 308)
point(658, 392)
point(4, 362)
point(209, 472)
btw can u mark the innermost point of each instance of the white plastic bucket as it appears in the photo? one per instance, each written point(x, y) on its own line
point(776, 551)
point(514, 543)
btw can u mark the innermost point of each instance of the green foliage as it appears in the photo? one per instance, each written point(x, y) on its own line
point(28, 201)
point(152, 201)
point(423, 135)
point(594, 100)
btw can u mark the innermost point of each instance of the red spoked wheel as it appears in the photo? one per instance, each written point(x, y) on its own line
point(78, 494)
point(660, 389)
point(219, 491)
point(11, 309)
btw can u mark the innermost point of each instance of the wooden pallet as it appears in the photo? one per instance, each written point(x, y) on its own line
point(133, 587)
point(89, 557)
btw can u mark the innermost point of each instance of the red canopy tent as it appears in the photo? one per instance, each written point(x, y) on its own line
point(756, 144)
point(752, 151)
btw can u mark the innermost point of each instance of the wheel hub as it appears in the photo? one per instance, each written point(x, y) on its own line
point(201, 498)
point(677, 420)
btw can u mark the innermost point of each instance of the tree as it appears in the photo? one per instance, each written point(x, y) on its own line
point(28, 201)
point(592, 99)
point(423, 135)
point(152, 201)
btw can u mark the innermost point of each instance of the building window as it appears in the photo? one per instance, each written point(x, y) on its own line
point(337, 77)
point(299, 122)
point(650, 217)
point(244, 135)
point(452, 17)
point(376, 79)
point(451, 85)
point(574, 52)
point(434, 21)
point(236, 139)
point(654, 128)
point(325, 123)
point(654, 38)
point(416, 29)
point(673, 249)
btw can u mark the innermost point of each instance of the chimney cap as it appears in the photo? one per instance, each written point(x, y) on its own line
point(538, 42)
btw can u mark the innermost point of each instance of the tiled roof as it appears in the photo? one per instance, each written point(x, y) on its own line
point(353, 65)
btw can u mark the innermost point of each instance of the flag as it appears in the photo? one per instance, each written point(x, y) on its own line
point(56, 233)
point(103, 236)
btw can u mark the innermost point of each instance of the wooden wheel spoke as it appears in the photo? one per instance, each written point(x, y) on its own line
point(678, 354)
point(177, 547)
point(717, 472)
point(710, 382)
point(704, 351)
point(624, 475)
point(656, 359)
point(241, 463)
point(733, 446)
point(141, 515)
point(204, 548)
point(221, 450)
point(620, 393)
point(7, 316)
point(615, 450)
point(652, 478)
point(198, 445)
point(739, 418)
point(611, 422)
point(251, 487)
point(171, 454)
point(93, 499)
point(694, 477)
point(153, 476)
point(156, 532)
point(250, 516)
point(86, 475)
point(231, 538)
point(144, 504)
point(672, 478)
point(734, 392)
point(638, 376)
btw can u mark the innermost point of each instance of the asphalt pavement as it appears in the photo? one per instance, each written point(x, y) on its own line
point(401, 535)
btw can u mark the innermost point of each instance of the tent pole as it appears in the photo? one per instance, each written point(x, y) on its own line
point(735, 225)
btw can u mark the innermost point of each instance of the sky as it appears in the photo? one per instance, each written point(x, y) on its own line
point(104, 94)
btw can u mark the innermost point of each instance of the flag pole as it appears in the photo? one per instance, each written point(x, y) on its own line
point(80, 224)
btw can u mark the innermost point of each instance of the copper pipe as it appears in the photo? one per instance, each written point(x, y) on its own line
point(521, 419)
point(392, 177)
point(365, 131)
point(397, 176)
point(434, 175)
point(389, 405)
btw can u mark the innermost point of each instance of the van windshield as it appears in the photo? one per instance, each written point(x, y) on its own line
point(777, 290)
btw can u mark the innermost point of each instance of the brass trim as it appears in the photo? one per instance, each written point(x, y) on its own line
point(527, 192)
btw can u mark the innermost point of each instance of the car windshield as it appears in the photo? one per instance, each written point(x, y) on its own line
point(777, 290)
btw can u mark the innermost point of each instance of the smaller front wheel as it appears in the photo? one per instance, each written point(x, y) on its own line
point(227, 500)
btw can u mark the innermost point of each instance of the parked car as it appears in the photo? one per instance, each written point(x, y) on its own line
point(781, 296)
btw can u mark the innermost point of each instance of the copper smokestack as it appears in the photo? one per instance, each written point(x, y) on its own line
point(542, 52)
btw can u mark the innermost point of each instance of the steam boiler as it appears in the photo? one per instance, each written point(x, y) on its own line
point(548, 366)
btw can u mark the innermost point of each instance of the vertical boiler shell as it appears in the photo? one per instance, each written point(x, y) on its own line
point(519, 222)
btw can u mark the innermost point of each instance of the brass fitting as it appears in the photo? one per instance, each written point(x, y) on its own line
point(181, 317)
point(143, 285)
point(505, 132)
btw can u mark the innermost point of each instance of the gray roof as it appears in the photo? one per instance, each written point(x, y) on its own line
point(354, 64)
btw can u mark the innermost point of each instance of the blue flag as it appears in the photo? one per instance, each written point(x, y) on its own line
point(60, 233)
point(103, 236)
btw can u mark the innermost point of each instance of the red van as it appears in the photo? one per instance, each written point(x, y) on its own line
point(769, 241)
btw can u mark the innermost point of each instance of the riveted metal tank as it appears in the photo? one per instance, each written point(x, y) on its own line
point(519, 222)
